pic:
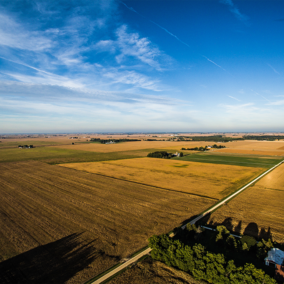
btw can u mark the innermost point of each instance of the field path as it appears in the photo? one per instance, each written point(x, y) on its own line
point(148, 250)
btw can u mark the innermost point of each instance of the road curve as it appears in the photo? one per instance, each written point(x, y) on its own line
point(147, 250)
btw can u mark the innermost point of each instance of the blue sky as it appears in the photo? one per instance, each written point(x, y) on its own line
point(140, 65)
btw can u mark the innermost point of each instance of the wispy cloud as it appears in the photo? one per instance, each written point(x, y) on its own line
point(275, 71)
point(234, 98)
point(132, 78)
point(234, 10)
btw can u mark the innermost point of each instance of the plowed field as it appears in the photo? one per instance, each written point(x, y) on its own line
point(59, 225)
point(212, 180)
point(258, 210)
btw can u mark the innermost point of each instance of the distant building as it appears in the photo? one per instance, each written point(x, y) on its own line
point(274, 257)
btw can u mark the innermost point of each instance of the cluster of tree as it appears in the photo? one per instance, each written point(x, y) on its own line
point(117, 140)
point(215, 138)
point(196, 149)
point(263, 137)
point(26, 146)
point(218, 146)
point(203, 264)
point(160, 154)
point(163, 155)
point(240, 249)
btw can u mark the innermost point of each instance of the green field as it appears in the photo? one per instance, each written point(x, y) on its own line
point(264, 162)
point(14, 144)
point(54, 155)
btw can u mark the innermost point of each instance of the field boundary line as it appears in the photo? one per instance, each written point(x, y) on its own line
point(154, 186)
point(111, 272)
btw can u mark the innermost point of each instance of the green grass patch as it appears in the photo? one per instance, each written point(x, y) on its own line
point(231, 160)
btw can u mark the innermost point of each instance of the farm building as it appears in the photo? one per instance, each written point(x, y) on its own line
point(275, 257)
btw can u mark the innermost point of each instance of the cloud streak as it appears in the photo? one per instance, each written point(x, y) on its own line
point(215, 63)
point(159, 26)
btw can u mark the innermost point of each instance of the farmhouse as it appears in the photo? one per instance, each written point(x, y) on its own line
point(275, 256)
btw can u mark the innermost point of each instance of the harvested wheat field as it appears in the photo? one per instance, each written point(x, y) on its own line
point(149, 271)
point(269, 148)
point(60, 225)
point(130, 146)
point(257, 211)
point(211, 180)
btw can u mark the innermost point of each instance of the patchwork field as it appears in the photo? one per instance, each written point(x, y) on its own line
point(211, 180)
point(258, 210)
point(59, 225)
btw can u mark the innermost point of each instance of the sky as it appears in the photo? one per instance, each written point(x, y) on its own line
point(141, 66)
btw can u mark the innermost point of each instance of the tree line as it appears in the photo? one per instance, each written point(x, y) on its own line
point(163, 155)
point(188, 252)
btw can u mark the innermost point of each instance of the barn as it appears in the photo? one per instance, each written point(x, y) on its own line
point(274, 257)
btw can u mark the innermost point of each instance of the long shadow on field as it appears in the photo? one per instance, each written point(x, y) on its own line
point(55, 262)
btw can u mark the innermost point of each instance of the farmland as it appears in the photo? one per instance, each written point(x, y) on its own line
point(54, 155)
point(130, 146)
point(258, 210)
point(74, 222)
point(190, 177)
point(216, 158)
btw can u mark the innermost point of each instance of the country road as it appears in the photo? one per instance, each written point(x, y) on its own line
point(147, 250)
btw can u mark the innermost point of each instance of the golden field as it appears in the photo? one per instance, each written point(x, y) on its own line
point(269, 148)
point(130, 146)
point(211, 180)
point(59, 225)
point(274, 148)
point(258, 210)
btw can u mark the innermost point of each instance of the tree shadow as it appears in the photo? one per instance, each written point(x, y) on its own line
point(55, 262)
point(251, 229)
